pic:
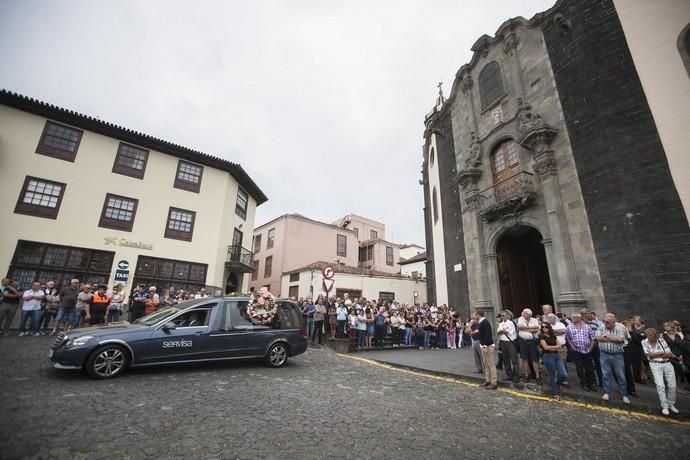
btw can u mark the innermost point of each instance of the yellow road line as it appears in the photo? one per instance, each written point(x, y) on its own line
point(456, 381)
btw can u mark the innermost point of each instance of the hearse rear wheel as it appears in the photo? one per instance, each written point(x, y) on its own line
point(277, 355)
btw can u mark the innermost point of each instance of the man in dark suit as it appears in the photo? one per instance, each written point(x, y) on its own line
point(487, 347)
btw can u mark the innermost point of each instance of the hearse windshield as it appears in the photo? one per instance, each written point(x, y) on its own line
point(157, 316)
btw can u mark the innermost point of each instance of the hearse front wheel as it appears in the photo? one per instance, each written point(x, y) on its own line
point(107, 362)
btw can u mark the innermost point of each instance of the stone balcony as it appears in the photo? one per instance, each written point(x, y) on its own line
point(507, 197)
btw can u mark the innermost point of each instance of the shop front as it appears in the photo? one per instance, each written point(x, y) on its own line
point(42, 262)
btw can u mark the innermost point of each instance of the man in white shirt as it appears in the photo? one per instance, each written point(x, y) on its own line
point(528, 328)
point(658, 353)
point(31, 308)
point(507, 335)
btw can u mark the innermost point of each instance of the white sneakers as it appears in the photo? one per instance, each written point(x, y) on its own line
point(22, 334)
point(605, 397)
point(664, 410)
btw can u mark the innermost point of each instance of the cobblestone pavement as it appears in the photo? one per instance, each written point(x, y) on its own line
point(318, 406)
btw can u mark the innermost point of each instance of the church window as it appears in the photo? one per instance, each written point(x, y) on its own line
point(490, 84)
point(505, 160)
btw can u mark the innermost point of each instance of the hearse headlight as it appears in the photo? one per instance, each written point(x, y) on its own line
point(79, 341)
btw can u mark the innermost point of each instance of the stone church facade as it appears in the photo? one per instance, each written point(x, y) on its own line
point(545, 179)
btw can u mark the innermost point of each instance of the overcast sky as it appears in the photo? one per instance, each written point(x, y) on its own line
point(322, 102)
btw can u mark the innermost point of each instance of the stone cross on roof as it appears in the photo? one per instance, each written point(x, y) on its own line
point(440, 99)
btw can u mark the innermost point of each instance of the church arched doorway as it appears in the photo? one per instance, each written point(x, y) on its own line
point(523, 273)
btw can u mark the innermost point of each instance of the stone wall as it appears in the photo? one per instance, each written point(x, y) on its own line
point(638, 225)
point(454, 241)
point(430, 273)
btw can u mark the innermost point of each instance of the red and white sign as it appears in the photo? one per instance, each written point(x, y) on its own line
point(328, 285)
point(328, 281)
point(328, 272)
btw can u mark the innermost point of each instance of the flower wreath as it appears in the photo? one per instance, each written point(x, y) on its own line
point(263, 309)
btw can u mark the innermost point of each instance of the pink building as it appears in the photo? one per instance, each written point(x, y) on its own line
point(292, 241)
point(375, 253)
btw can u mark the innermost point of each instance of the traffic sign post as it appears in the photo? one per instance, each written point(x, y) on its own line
point(328, 282)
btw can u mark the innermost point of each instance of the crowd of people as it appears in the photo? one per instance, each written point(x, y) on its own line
point(78, 304)
point(627, 353)
point(604, 352)
point(370, 323)
point(144, 301)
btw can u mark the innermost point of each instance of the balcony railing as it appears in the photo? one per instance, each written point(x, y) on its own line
point(239, 258)
point(508, 196)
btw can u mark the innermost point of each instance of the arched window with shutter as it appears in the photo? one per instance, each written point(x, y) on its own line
point(505, 164)
point(505, 160)
point(490, 84)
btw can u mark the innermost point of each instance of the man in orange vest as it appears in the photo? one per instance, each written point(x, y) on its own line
point(95, 310)
point(152, 301)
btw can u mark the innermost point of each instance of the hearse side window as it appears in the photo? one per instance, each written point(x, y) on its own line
point(236, 317)
point(288, 317)
point(194, 318)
